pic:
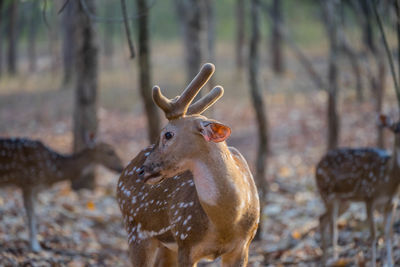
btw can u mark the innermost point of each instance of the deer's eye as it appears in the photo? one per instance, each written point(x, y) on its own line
point(168, 135)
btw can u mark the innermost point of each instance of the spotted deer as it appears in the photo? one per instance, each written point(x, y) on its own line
point(189, 196)
point(368, 175)
point(32, 166)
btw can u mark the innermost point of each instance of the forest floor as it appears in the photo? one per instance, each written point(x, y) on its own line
point(85, 228)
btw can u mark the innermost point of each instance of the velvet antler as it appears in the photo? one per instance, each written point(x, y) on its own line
point(179, 106)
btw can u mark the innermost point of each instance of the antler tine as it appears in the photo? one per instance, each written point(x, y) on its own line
point(178, 106)
point(161, 101)
point(206, 101)
point(194, 87)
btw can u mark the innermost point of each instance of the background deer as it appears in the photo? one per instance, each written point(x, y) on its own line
point(30, 165)
point(369, 175)
point(189, 196)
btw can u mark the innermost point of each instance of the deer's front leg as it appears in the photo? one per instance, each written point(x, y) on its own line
point(236, 258)
point(143, 253)
point(184, 258)
point(29, 203)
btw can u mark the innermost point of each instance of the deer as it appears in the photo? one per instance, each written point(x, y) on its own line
point(189, 196)
point(368, 175)
point(32, 166)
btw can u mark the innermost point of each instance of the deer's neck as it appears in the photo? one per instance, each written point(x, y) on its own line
point(220, 185)
point(70, 167)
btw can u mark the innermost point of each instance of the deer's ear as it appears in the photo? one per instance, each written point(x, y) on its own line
point(214, 131)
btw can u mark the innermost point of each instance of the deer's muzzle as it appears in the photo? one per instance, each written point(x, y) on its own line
point(150, 175)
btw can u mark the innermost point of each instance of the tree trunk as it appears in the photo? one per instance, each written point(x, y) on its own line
point(153, 118)
point(240, 34)
point(86, 59)
point(378, 85)
point(54, 37)
point(367, 31)
point(357, 73)
point(1, 34)
point(33, 27)
point(258, 105)
point(192, 23)
point(12, 37)
point(210, 21)
point(351, 55)
point(109, 29)
point(331, 23)
point(68, 43)
point(276, 40)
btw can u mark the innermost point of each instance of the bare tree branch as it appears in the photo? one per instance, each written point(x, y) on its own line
point(127, 29)
point(63, 7)
point(44, 14)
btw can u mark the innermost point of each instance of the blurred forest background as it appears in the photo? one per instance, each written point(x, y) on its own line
point(299, 77)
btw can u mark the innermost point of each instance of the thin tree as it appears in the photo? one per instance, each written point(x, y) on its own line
point(378, 85)
point(350, 54)
point(258, 105)
point(12, 37)
point(153, 118)
point(377, 78)
point(54, 35)
point(240, 34)
point(32, 34)
point(86, 66)
point(209, 6)
point(1, 34)
point(68, 41)
point(330, 15)
point(191, 17)
point(367, 29)
point(109, 30)
point(276, 38)
point(396, 78)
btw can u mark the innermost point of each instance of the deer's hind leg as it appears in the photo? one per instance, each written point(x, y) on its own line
point(388, 221)
point(372, 230)
point(328, 224)
point(143, 253)
point(29, 196)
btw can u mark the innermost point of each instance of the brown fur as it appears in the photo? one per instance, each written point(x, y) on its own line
point(368, 175)
point(31, 166)
point(189, 196)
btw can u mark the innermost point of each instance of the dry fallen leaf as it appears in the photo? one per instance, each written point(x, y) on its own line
point(90, 205)
point(296, 234)
point(342, 262)
point(284, 171)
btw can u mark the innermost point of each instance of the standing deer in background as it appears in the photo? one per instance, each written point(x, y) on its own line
point(30, 165)
point(189, 196)
point(368, 175)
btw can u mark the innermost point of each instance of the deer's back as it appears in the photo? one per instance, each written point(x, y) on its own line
point(24, 162)
point(353, 174)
